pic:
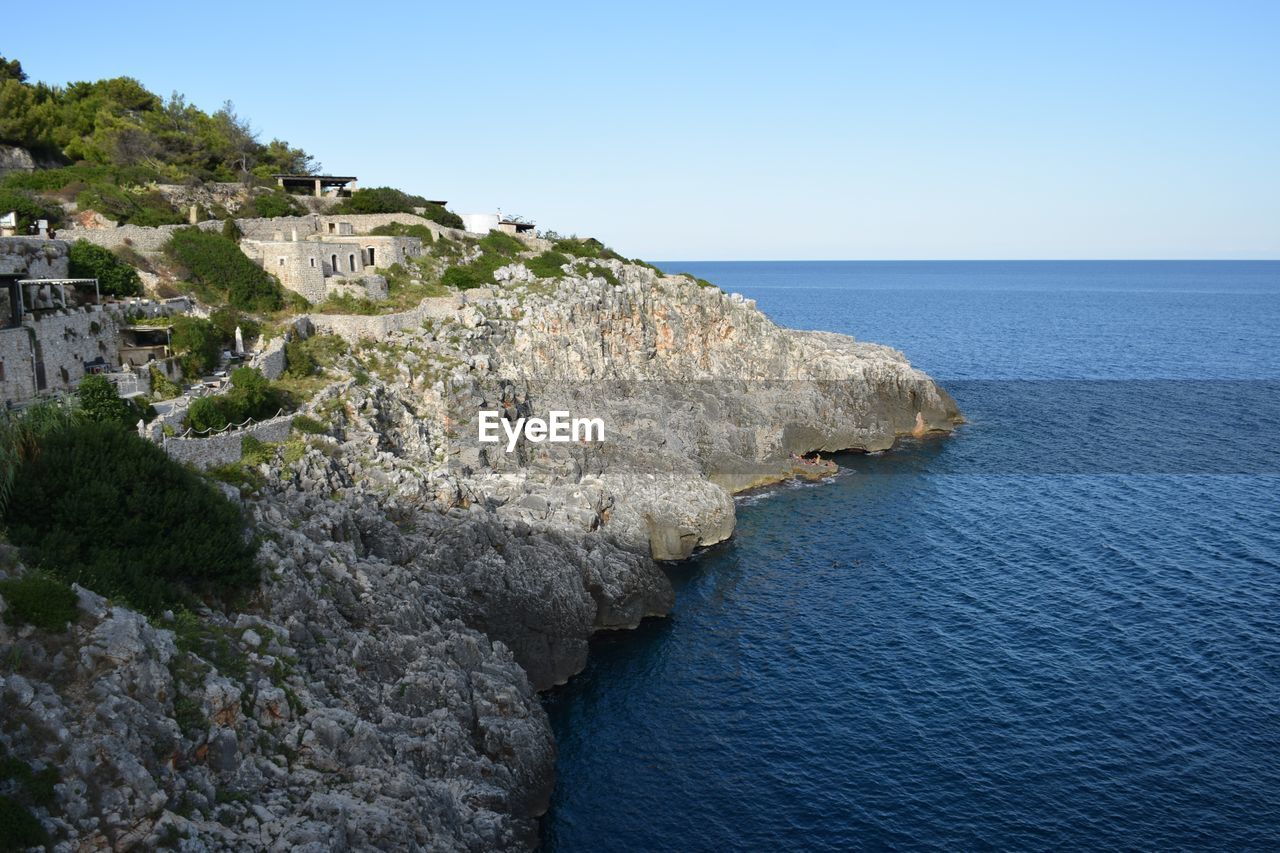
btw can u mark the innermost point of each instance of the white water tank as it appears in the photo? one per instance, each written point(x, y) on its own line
point(480, 223)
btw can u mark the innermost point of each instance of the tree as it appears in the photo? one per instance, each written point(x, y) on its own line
point(199, 344)
point(99, 401)
point(114, 276)
point(11, 69)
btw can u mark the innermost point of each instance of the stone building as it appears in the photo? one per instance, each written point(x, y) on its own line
point(53, 331)
point(332, 261)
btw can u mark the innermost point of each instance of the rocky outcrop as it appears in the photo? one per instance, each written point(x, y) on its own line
point(419, 587)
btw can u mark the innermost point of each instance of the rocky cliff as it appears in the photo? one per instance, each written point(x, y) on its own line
point(419, 587)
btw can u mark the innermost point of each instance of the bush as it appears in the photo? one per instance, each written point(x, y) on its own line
point(399, 229)
point(29, 208)
point(378, 200)
point(99, 401)
point(135, 208)
point(19, 828)
point(501, 243)
point(391, 200)
point(547, 265)
point(298, 359)
point(114, 276)
point(228, 319)
point(39, 600)
point(304, 358)
point(218, 264)
point(588, 247)
point(467, 276)
point(231, 231)
point(111, 511)
point(199, 344)
point(272, 204)
point(251, 396)
point(162, 388)
point(308, 425)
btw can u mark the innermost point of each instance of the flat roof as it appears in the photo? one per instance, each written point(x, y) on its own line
point(342, 178)
point(57, 281)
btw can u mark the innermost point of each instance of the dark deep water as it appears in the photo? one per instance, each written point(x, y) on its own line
point(1058, 628)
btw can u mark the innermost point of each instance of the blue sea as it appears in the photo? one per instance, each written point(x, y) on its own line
point(1058, 628)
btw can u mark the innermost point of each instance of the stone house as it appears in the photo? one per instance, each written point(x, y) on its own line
point(331, 262)
point(53, 329)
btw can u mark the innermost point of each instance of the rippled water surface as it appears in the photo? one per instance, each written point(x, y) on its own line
point(1060, 627)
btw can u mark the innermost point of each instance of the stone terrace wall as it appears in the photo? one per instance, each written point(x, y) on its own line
point(141, 238)
point(224, 447)
point(33, 257)
point(353, 327)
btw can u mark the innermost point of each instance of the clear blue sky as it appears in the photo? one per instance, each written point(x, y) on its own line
point(696, 130)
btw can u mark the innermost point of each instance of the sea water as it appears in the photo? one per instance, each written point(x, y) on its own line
point(1058, 627)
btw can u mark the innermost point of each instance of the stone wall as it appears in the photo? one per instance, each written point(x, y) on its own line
point(354, 327)
point(224, 447)
point(17, 370)
point(55, 346)
point(299, 265)
point(138, 237)
point(33, 257)
point(271, 361)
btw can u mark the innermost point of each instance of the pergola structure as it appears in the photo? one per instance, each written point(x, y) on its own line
point(319, 184)
point(26, 292)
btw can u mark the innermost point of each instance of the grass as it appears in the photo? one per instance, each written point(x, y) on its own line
point(39, 600)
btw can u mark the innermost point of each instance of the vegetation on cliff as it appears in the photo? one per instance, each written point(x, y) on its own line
point(96, 504)
point(216, 265)
point(114, 276)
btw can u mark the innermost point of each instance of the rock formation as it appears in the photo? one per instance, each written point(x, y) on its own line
point(419, 587)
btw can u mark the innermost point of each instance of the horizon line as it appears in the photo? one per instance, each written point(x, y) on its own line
point(961, 260)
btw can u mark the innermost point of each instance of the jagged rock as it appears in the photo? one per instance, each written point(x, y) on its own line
point(418, 588)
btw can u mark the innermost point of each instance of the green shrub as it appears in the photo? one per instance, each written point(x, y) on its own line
point(391, 200)
point(231, 231)
point(255, 451)
point(308, 425)
point(111, 511)
point(19, 828)
point(198, 343)
point(547, 265)
point(600, 272)
point(162, 388)
point(378, 200)
point(588, 247)
point(304, 358)
point(29, 208)
point(36, 786)
point(399, 229)
point(467, 276)
point(251, 396)
point(272, 204)
point(39, 600)
point(501, 243)
point(148, 208)
point(345, 303)
point(98, 400)
point(217, 264)
point(227, 319)
point(439, 215)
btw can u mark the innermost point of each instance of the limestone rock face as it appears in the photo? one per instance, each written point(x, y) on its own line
point(15, 159)
point(419, 587)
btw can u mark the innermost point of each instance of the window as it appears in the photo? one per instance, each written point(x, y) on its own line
point(333, 263)
point(351, 261)
point(282, 262)
point(313, 263)
point(1, 371)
